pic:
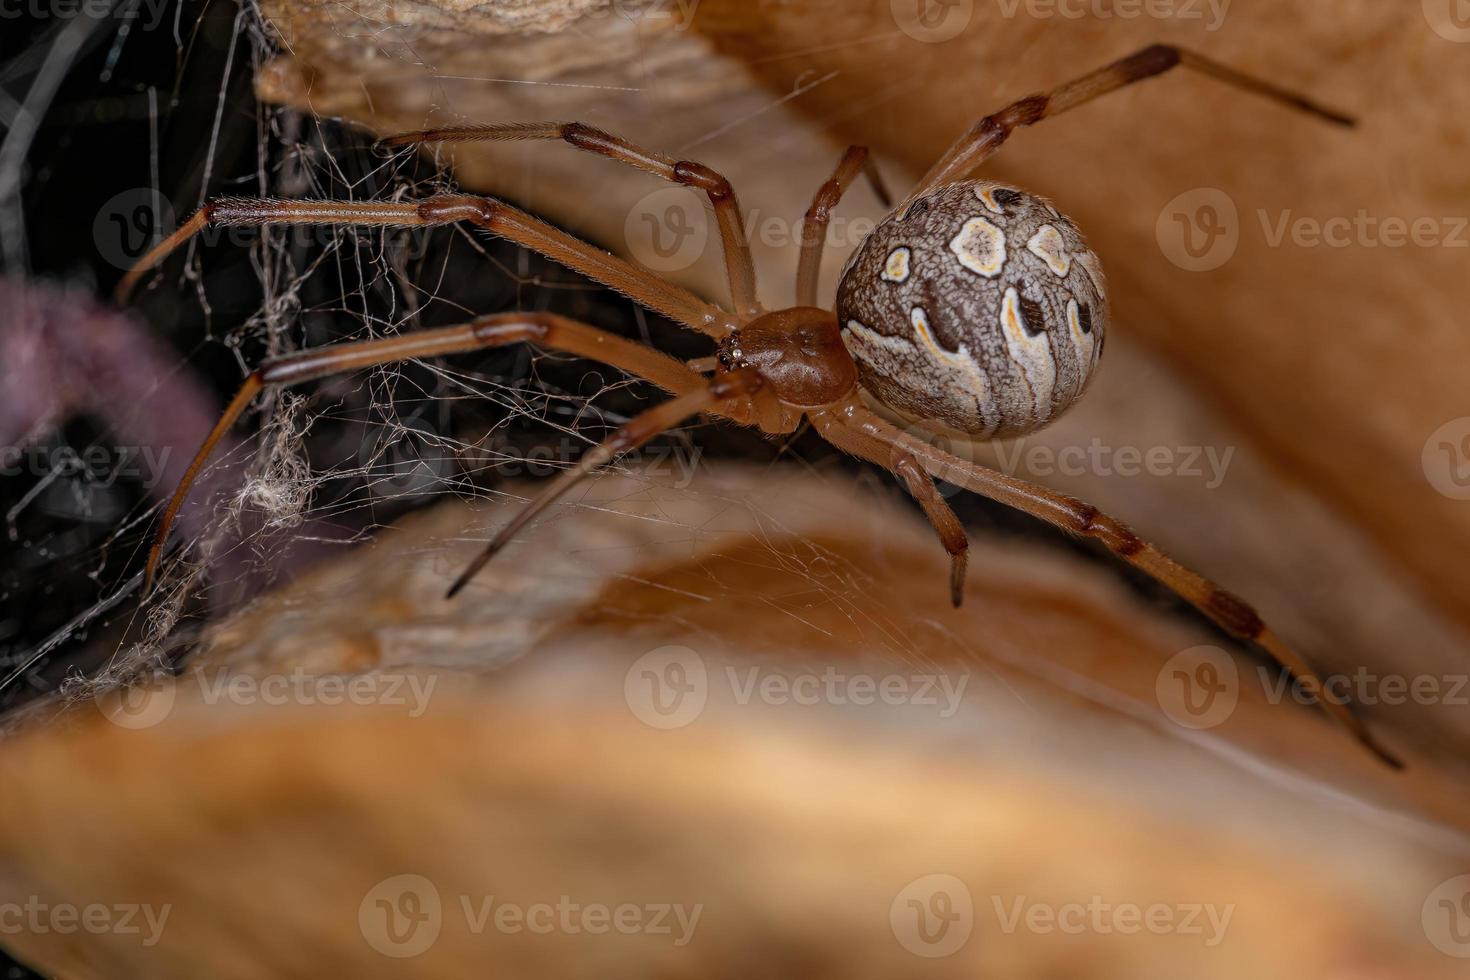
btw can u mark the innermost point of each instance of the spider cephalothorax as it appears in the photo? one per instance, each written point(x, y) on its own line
point(978, 307)
point(974, 306)
point(799, 354)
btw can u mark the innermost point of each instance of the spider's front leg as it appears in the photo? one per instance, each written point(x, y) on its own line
point(493, 215)
point(987, 135)
point(688, 173)
point(1231, 613)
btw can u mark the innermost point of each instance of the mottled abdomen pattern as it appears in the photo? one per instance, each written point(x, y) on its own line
point(978, 307)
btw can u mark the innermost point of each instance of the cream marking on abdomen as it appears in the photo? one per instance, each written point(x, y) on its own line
point(1088, 261)
point(1031, 354)
point(980, 247)
point(1047, 245)
point(954, 376)
point(1083, 342)
point(896, 269)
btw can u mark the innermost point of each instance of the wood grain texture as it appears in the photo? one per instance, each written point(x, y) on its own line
point(533, 768)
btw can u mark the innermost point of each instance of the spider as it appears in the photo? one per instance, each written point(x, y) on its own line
point(973, 306)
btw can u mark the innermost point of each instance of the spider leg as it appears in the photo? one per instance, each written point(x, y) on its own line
point(738, 265)
point(951, 532)
point(493, 215)
point(876, 182)
point(919, 485)
point(986, 136)
point(814, 227)
point(543, 329)
point(639, 430)
point(1227, 610)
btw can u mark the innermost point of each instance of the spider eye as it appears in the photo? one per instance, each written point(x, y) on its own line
point(1005, 196)
point(724, 360)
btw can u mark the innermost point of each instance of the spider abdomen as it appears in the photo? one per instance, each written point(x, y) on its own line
point(978, 307)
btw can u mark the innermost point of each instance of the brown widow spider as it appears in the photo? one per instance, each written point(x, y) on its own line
point(973, 306)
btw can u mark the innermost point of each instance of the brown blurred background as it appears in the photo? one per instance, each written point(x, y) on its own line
point(1324, 374)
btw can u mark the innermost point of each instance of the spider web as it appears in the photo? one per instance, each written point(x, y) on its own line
point(314, 470)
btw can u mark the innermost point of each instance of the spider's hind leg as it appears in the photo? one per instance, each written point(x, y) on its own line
point(920, 486)
point(859, 427)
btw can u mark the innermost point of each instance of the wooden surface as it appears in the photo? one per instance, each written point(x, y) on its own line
point(532, 764)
